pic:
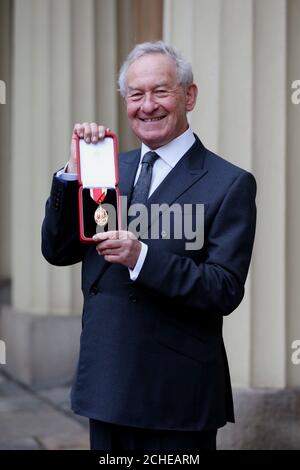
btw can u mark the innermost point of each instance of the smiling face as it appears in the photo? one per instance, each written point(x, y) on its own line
point(157, 104)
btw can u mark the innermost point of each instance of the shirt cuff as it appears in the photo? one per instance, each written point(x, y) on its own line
point(63, 175)
point(139, 264)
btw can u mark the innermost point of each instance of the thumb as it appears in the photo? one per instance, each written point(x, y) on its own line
point(73, 149)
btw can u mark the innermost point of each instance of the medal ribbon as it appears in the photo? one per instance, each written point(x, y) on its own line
point(98, 194)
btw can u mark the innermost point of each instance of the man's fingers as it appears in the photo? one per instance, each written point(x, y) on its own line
point(101, 132)
point(90, 132)
point(109, 245)
point(111, 258)
point(87, 132)
point(78, 130)
point(73, 149)
point(112, 235)
point(95, 133)
point(122, 250)
point(109, 250)
point(99, 237)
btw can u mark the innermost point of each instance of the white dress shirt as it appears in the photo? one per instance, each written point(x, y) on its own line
point(169, 154)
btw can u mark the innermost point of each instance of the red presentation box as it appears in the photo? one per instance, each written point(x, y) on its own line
point(98, 178)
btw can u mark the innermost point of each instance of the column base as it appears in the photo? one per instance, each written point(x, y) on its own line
point(266, 419)
point(41, 350)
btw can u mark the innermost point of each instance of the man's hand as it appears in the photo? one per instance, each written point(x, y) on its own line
point(118, 246)
point(90, 132)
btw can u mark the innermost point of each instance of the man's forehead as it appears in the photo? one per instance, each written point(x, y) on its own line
point(153, 60)
point(153, 67)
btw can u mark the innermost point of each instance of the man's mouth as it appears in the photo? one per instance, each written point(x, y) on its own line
point(153, 119)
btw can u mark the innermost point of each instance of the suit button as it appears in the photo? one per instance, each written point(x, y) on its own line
point(132, 298)
point(94, 290)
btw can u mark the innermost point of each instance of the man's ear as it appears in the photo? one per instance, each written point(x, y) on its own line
point(191, 97)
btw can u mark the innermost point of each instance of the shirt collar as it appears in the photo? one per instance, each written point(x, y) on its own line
point(172, 152)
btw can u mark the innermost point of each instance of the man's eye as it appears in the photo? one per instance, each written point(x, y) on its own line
point(136, 96)
point(161, 92)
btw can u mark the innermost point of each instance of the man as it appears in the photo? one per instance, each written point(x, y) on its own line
point(152, 370)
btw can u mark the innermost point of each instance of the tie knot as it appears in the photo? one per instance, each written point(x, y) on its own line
point(150, 158)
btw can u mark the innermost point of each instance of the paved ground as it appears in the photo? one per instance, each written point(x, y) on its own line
point(39, 420)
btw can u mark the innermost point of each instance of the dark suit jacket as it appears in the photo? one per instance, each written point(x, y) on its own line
point(151, 352)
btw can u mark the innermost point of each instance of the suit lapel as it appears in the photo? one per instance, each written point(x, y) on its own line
point(185, 174)
point(128, 165)
point(188, 171)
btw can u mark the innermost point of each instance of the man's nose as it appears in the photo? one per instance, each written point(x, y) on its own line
point(149, 104)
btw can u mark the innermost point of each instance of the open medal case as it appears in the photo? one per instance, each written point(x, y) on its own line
point(98, 170)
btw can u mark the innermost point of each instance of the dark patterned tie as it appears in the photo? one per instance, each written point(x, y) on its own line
point(142, 187)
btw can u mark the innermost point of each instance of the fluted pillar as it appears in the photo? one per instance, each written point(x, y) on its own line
point(239, 63)
point(293, 192)
point(5, 155)
point(245, 55)
point(64, 56)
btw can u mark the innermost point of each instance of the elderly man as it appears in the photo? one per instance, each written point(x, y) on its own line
point(152, 371)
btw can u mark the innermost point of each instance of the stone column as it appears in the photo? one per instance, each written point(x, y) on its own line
point(60, 47)
point(138, 21)
point(293, 192)
point(5, 152)
point(244, 55)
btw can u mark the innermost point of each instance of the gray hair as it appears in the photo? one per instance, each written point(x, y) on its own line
point(183, 67)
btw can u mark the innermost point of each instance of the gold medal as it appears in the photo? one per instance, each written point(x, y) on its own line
point(101, 216)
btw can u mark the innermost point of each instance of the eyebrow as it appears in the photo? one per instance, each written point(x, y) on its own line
point(162, 84)
point(133, 89)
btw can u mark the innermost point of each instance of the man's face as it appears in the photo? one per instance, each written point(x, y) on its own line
point(156, 104)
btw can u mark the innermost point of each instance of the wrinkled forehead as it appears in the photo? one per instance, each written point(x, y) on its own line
point(155, 68)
